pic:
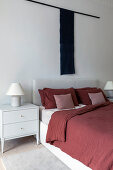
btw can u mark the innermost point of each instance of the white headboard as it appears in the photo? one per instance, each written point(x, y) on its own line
point(59, 83)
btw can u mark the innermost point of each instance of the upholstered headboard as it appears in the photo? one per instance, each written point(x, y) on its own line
point(59, 83)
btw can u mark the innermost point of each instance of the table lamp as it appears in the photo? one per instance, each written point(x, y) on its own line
point(15, 91)
point(109, 87)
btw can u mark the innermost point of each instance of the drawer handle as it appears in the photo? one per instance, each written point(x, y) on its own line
point(22, 116)
point(22, 128)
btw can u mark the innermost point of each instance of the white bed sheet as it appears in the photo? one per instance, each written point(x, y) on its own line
point(45, 114)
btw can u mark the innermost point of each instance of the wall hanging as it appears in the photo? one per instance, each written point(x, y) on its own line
point(66, 37)
point(66, 42)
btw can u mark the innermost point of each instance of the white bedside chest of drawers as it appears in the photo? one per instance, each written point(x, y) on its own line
point(17, 122)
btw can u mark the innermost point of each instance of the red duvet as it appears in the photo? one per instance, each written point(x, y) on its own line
point(85, 134)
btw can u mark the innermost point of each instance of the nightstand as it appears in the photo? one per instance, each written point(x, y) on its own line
point(17, 122)
point(110, 99)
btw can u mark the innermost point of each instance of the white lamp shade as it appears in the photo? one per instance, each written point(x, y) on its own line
point(15, 90)
point(109, 85)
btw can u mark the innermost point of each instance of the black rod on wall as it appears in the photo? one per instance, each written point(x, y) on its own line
point(80, 13)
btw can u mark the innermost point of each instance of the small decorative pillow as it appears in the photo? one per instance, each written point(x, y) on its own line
point(97, 98)
point(64, 101)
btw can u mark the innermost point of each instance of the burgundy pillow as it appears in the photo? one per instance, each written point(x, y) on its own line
point(97, 98)
point(64, 101)
point(50, 100)
point(41, 92)
point(79, 92)
point(84, 97)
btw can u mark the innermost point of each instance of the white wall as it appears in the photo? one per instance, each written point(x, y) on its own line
point(29, 42)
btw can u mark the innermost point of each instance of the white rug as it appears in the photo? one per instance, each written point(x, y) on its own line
point(37, 158)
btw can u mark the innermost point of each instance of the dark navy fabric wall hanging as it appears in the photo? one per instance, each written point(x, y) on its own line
point(66, 42)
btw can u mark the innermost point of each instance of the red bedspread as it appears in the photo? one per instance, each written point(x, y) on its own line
point(86, 134)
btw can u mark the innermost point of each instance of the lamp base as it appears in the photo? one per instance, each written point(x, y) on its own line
point(15, 101)
point(110, 94)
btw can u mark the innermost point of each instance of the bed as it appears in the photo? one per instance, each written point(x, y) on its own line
point(44, 120)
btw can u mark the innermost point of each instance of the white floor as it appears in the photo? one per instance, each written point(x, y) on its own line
point(24, 154)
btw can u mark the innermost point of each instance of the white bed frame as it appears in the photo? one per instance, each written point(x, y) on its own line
point(60, 83)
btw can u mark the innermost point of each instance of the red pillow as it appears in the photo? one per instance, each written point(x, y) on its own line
point(83, 96)
point(64, 101)
point(41, 92)
point(97, 98)
point(79, 91)
point(50, 100)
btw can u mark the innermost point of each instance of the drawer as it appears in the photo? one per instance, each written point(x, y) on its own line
point(20, 116)
point(20, 129)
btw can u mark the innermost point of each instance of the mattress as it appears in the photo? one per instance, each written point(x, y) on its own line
point(45, 114)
